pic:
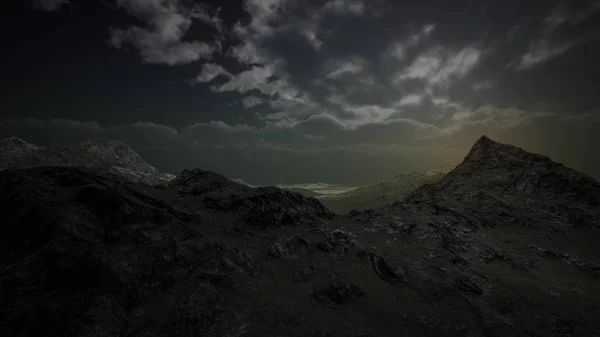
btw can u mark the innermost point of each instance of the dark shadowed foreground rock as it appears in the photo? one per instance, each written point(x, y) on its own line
point(507, 244)
point(86, 256)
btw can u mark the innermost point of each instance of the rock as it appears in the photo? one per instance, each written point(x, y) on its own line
point(466, 284)
point(271, 206)
point(262, 207)
point(337, 242)
point(338, 292)
point(384, 270)
point(288, 247)
point(87, 255)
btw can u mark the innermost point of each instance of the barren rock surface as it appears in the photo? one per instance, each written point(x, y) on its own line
point(507, 244)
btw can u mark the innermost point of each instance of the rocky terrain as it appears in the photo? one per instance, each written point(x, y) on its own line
point(506, 244)
point(383, 193)
point(111, 158)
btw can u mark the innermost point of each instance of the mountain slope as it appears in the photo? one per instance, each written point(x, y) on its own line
point(500, 185)
point(107, 157)
point(83, 254)
point(384, 193)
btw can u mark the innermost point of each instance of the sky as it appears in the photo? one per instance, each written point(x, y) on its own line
point(289, 91)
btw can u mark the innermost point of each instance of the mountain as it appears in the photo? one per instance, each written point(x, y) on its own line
point(106, 157)
point(501, 185)
point(383, 193)
point(506, 244)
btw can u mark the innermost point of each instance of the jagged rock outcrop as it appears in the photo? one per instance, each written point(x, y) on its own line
point(108, 157)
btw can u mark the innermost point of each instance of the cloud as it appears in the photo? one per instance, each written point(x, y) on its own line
point(437, 67)
point(210, 71)
point(262, 13)
point(425, 66)
point(412, 99)
point(495, 117)
point(355, 7)
point(541, 51)
point(398, 49)
point(257, 77)
point(202, 14)
point(265, 79)
point(551, 43)
point(160, 42)
point(263, 72)
point(338, 68)
point(361, 114)
point(252, 101)
point(49, 5)
point(484, 85)
point(248, 53)
point(309, 30)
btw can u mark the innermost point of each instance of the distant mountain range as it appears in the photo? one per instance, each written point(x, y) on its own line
point(103, 156)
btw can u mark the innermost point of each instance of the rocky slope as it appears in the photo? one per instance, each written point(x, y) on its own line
point(383, 193)
point(83, 254)
point(106, 157)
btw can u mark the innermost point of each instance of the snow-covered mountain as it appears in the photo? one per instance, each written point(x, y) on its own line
point(103, 156)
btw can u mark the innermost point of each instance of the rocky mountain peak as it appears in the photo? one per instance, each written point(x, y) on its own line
point(501, 184)
point(487, 153)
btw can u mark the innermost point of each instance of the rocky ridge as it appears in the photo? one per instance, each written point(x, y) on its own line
point(104, 156)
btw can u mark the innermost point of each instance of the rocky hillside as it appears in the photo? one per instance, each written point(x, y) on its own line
point(383, 193)
point(105, 157)
point(490, 250)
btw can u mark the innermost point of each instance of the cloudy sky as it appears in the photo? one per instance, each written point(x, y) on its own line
point(290, 91)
